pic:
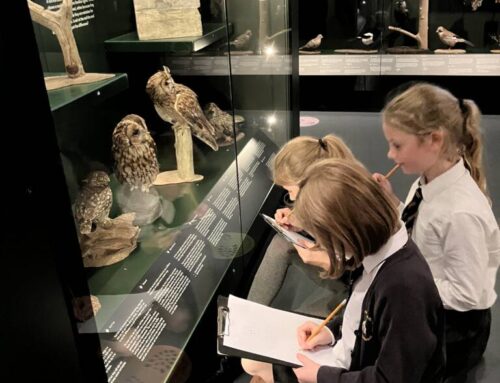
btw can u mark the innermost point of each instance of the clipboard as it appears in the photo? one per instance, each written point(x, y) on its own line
point(289, 235)
point(255, 325)
point(223, 328)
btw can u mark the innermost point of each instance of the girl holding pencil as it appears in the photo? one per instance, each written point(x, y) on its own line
point(448, 213)
point(392, 329)
point(288, 169)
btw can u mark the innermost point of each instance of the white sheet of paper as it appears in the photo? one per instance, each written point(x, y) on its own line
point(289, 235)
point(262, 330)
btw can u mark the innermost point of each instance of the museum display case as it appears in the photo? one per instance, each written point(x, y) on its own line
point(167, 116)
point(166, 133)
point(370, 47)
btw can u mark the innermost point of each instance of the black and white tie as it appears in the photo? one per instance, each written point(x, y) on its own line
point(410, 212)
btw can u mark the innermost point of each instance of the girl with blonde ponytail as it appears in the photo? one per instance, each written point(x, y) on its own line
point(448, 214)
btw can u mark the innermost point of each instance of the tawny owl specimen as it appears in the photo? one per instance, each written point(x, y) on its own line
point(94, 202)
point(178, 104)
point(222, 122)
point(134, 151)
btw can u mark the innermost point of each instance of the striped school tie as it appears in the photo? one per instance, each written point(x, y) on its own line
point(410, 212)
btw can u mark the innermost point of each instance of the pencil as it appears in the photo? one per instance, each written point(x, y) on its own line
point(318, 329)
point(392, 171)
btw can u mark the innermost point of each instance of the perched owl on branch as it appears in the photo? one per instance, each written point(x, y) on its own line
point(94, 202)
point(134, 151)
point(178, 104)
point(223, 124)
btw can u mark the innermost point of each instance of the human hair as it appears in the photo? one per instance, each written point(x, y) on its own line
point(424, 108)
point(301, 152)
point(346, 211)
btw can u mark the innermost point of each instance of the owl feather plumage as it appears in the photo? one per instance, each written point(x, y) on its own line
point(222, 122)
point(178, 104)
point(134, 151)
point(94, 201)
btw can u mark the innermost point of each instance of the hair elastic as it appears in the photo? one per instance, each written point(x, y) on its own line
point(322, 143)
point(463, 109)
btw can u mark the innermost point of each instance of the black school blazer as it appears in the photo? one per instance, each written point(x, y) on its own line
point(401, 334)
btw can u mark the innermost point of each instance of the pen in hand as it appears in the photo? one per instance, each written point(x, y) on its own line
point(318, 329)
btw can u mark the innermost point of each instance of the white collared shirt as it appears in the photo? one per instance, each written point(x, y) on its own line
point(343, 348)
point(458, 235)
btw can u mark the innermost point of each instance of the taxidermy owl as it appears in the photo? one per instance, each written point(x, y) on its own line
point(222, 122)
point(178, 104)
point(134, 151)
point(94, 202)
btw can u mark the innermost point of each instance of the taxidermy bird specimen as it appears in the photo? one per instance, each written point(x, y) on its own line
point(475, 4)
point(241, 42)
point(401, 12)
point(312, 44)
point(449, 38)
point(366, 38)
point(94, 202)
point(222, 122)
point(134, 151)
point(496, 38)
point(178, 104)
point(401, 7)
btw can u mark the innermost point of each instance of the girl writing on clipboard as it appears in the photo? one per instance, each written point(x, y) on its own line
point(392, 330)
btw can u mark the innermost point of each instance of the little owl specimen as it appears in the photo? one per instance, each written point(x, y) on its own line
point(94, 202)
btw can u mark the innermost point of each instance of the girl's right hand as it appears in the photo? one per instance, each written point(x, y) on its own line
point(284, 218)
point(386, 185)
point(305, 330)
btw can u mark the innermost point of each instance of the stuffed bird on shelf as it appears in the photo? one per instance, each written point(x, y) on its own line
point(312, 44)
point(450, 39)
point(178, 104)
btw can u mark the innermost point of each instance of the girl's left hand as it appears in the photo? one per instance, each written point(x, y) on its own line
point(308, 373)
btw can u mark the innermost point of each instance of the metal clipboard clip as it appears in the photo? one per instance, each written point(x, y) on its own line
point(222, 321)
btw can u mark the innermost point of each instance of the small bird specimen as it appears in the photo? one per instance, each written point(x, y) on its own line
point(178, 104)
point(241, 42)
point(401, 7)
point(496, 38)
point(475, 4)
point(134, 151)
point(222, 122)
point(312, 44)
point(401, 12)
point(366, 38)
point(94, 201)
point(450, 39)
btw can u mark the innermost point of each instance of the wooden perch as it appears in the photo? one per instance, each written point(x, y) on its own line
point(422, 37)
point(405, 32)
point(59, 22)
point(184, 156)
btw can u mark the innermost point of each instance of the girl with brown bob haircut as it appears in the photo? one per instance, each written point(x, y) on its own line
point(392, 328)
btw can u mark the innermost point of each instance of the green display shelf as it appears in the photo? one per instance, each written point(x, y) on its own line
point(130, 42)
point(100, 89)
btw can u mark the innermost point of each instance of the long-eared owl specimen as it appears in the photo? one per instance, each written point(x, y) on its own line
point(178, 104)
point(134, 151)
point(94, 201)
point(222, 122)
